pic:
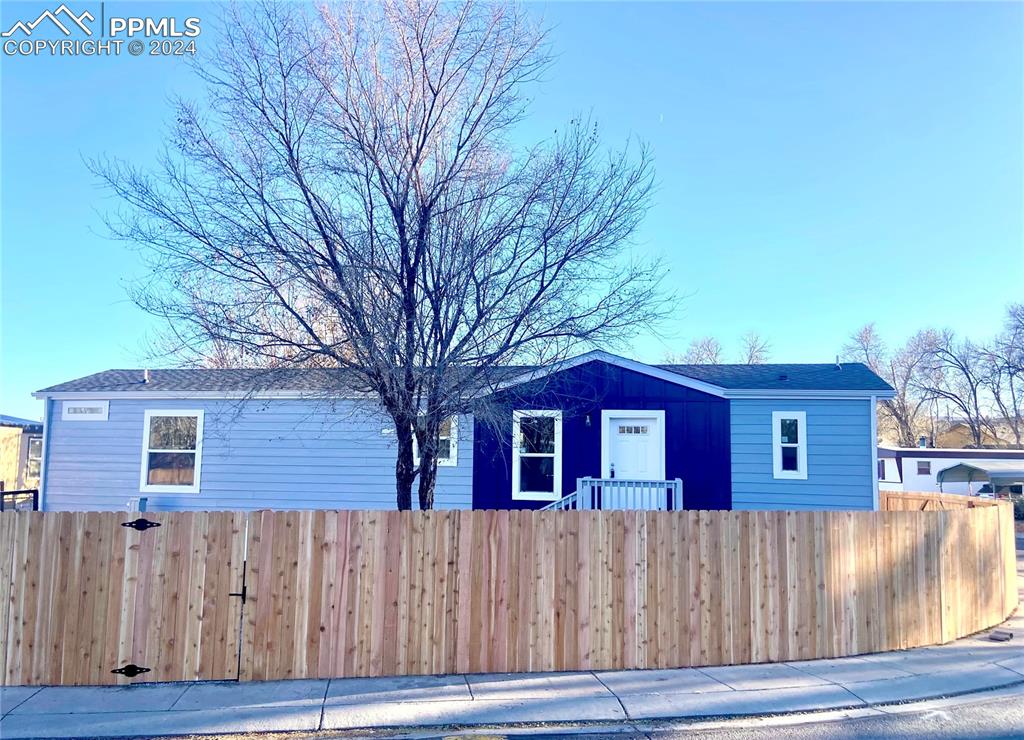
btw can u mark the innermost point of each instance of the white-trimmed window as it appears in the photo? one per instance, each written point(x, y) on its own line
point(789, 444)
point(172, 451)
point(447, 444)
point(33, 457)
point(537, 455)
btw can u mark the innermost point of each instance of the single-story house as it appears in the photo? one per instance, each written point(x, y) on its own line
point(919, 468)
point(736, 436)
point(21, 448)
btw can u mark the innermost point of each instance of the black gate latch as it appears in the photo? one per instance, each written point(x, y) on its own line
point(131, 670)
point(140, 524)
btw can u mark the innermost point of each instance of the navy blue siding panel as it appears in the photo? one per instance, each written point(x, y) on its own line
point(840, 456)
point(696, 433)
point(257, 454)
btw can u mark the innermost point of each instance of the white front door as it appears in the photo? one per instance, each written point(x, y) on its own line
point(633, 445)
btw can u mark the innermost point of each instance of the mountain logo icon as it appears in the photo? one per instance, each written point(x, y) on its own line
point(54, 17)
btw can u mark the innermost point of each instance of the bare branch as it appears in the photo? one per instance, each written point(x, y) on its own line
point(347, 196)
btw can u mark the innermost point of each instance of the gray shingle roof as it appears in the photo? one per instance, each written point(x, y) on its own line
point(235, 380)
point(849, 376)
point(852, 376)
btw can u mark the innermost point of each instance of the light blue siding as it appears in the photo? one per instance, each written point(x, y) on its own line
point(256, 454)
point(840, 456)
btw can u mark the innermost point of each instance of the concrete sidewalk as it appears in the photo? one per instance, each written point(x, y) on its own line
point(221, 707)
point(969, 665)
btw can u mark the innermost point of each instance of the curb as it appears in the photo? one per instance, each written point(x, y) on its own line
point(704, 722)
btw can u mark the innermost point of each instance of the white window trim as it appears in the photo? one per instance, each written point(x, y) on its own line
point(102, 406)
point(517, 495)
point(801, 446)
point(29, 457)
point(453, 456)
point(145, 487)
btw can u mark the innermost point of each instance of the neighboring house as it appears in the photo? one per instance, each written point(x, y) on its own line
point(917, 468)
point(738, 436)
point(21, 452)
point(957, 435)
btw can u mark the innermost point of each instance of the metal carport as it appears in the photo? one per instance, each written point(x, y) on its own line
point(998, 473)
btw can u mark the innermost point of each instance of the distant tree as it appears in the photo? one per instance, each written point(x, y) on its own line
point(348, 195)
point(1004, 374)
point(754, 349)
point(1012, 339)
point(957, 374)
point(906, 370)
point(703, 351)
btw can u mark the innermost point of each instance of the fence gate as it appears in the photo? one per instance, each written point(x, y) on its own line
point(104, 597)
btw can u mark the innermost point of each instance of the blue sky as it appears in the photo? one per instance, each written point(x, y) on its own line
point(820, 165)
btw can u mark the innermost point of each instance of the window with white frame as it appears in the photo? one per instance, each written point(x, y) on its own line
point(447, 444)
point(924, 467)
point(33, 457)
point(537, 455)
point(172, 450)
point(789, 444)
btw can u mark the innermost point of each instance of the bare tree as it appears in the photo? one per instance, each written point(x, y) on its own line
point(957, 374)
point(754, 349)
point(907, 370)
point(1012, 339)
point(703, 351)
point(1004, 374)
point(348, 196)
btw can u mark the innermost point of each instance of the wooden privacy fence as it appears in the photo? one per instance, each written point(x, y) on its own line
point(929, 501)
point(82, 595)
point(358, 593)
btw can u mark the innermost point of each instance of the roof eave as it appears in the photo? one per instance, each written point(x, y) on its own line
point(212, 395)
point(767, 393)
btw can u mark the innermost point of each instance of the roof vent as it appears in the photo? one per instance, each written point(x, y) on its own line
point(145, 375)
point(783, 376)
point(838, 366)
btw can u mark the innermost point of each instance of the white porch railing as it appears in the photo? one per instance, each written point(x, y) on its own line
point(620, 493)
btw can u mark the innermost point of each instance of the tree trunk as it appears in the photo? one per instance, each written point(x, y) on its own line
point(428, 478)
point(428, 462)
point(405, 471)
point(908, 436)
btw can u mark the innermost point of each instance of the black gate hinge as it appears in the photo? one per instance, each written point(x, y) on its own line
point(140, 524)
point(131, 670)
point(241, 593)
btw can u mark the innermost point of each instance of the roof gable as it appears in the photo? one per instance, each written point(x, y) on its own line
point(853, 380)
